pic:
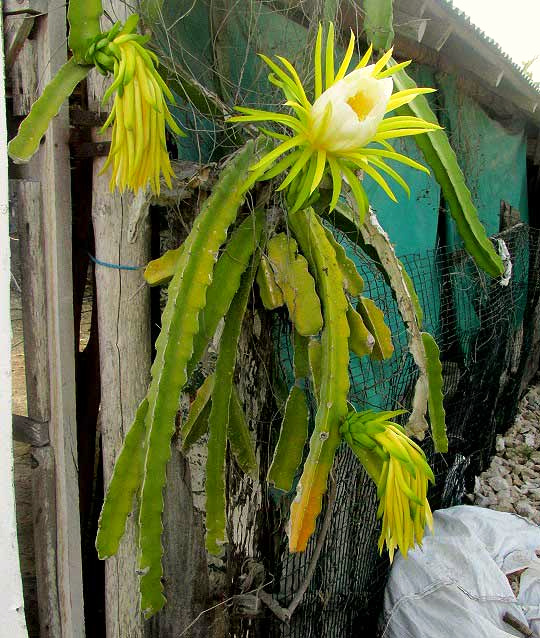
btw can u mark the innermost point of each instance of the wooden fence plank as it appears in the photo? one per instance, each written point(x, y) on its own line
point(12, 617)
point(26, 199)
point(44, 516)
point(24, 78)
point(52, 166)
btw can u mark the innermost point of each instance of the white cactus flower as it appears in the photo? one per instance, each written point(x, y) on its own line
point(332, 134)
point(346, 116)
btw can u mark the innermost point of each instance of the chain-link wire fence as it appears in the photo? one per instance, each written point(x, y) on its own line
point(485, 332)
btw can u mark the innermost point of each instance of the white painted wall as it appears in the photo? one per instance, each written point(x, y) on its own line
point(12, 620)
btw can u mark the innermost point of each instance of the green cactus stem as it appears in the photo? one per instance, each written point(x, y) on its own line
point(332, 407)
point(361, 341)
point(240, 438)
point(174, 349)
point(218, 421)
point(373, 319)
point(125, 482)
point(291, 442)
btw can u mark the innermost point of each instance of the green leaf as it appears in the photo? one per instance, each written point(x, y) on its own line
point(218, 421)
point(196, 423)
point(240, 437)
point(291, 443)
point(437, 413)
point(270, 292)
point(125, 481)
point(297, 284)
point(378, 23)
point(438, 153)
point(174, 349)
point(373, 319)
point(361, 341)
point(33, 127)
point(352, 280)
point(160, 271)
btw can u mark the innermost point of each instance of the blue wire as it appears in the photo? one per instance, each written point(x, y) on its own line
point(106, 264)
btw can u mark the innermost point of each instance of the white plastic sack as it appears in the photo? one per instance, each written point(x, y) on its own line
point(456, 585)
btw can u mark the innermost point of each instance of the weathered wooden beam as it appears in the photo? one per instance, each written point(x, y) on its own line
point(52, 169)
point(87, 150)
point(124, 345)
point(489, 97)
point(490, 72)
point(25, 195)
point(122, 236)
point(12, 617)
point(86, 119)
point(437, 33)
point(472, 42)
point(16, 30)
point(185, 570)
point(35, 7)
point(410, 26)
point(24, 78)
point(45, 539)
point(26, 430)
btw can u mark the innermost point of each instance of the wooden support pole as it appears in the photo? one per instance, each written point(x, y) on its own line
point(11, 597)
point(124, 345)
point(122, 237)
point(57, 478)
point(26, 198)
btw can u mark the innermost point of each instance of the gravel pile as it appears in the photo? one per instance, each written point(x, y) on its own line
point(512, 481)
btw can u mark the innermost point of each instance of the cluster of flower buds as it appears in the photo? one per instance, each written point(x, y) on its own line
point(402, 475)
point(139, 114)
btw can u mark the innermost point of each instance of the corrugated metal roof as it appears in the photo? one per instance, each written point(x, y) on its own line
point(465, 19)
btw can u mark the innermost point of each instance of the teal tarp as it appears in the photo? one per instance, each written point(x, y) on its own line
point(492, 157)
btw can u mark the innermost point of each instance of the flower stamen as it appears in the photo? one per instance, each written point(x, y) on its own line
point(361, 104)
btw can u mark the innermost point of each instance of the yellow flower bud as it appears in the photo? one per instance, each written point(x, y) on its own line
point(138, 154)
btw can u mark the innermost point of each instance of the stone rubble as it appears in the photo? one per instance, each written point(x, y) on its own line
point(512, 481)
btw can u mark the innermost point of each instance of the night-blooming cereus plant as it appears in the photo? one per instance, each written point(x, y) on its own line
point(307, 271)
point(343, 130)
point(138, 153)
point(325, 145)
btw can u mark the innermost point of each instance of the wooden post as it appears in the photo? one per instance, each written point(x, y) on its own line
point(124, 346)
point(55, 178)
point(26, 197)
point(122, 237)
point(11, 597)
point(52, 363)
